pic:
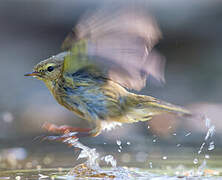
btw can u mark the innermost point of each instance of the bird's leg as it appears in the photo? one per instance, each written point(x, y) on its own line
point(64, 129)
point(69, 132)
point(70, 135)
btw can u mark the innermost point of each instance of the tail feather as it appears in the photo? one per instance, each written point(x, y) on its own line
point(143, 108)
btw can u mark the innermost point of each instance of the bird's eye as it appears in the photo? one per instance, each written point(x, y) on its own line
point(50, 68)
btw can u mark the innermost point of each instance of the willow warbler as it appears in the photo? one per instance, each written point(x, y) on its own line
point(108, 52)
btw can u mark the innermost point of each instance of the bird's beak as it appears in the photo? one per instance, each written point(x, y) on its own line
point(32, 74)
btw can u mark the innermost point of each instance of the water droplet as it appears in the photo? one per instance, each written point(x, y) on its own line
point(18, 177)
point(7, 117)
point(164, 157)
point(195, 161)
point(210, 132)
point(118, 142)
point(201, 147)
point(151, 165)
point(128, 143)
point(207, 121)
point(178, 145)
point(207, 156)
point(154, 140)
point(104, 143)
point(174, 134)
point(119, 150)
point(211, 146)
point(148, 127)
point(177, 173)
point(120, 147)
point(41, 176)
point(188, 134)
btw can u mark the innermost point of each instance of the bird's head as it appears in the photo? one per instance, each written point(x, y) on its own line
point(49, 69)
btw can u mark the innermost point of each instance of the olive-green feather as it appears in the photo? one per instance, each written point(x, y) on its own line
point(76, 58)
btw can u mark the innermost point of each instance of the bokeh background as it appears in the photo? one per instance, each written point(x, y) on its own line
point(31, 31)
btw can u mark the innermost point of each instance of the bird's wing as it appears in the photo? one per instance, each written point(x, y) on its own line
point(118, 43)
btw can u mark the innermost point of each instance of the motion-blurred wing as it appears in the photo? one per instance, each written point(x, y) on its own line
point(118, 42)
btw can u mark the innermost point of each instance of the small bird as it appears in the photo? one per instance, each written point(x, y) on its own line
point(109, 52)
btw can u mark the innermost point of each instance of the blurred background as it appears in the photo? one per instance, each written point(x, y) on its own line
point(32, 31)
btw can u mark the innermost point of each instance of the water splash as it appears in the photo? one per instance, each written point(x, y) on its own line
point(91, 167)
point(195, 161)
point(93, 157)
point(207, 121)
point(118, 142)
point(169, 127)
point(211, 146)
point(210, 132)
point(7, 117)
point(86, 152)
point(209, 135)
point(109, 159)
point(164, 157)
point(151, 164)
point(201, 147)
point(189, 133)
point(207, 156)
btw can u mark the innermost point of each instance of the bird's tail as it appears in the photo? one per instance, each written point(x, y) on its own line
point(143, 108)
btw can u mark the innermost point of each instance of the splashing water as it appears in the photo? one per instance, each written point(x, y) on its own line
point(7, 117)
point(210, 132)
point(164, 157)
point(91, 154)
point(109, 159)
point(188, 134)
point(91, 167)
point(93, 158)
point(207, 156)
point(195, 161)
point(201, 147)
point(209, 135)
point(118, 142)
point(211, 146)
point(154, 140)
point(151, 164)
